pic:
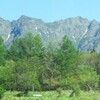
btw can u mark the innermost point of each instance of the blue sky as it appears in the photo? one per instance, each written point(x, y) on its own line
point(50, 10)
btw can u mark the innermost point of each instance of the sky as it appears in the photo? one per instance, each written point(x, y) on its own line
point(50, 10)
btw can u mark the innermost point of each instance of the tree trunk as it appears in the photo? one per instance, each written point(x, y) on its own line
point(72, 93)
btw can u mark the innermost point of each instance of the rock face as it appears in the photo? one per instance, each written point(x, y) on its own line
point(5, 28)
point(84, 34)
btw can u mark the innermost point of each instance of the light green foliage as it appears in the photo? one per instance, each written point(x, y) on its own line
point(2, 91)
point(84, 78)
point(7, 74)
point(93, 60)
point(25, 76)
point(87, 77)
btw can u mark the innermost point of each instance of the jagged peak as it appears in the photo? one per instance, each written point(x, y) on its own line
point(1, 19)
point(94, 21)
point(26, 18)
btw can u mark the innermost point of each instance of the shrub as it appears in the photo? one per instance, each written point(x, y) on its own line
point(59, 91)
point(1, 92)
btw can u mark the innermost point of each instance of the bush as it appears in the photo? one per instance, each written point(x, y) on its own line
point(59, 91)
point(1, 92)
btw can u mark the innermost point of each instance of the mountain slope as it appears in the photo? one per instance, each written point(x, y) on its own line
point(84, 34)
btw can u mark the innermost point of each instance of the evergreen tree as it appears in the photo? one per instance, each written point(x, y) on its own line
point(26, 47)
point(67, 56)
point(49, 73)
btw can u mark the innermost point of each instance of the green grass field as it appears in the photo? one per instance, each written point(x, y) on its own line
point(53, 95)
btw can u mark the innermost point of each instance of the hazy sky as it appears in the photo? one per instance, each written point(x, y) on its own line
point(50, 10)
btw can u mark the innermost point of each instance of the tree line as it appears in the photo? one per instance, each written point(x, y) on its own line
point(28, 65)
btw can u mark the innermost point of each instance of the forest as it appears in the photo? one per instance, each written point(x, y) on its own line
point(30, 65)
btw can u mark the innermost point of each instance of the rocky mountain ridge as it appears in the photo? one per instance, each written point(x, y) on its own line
point(83, 33)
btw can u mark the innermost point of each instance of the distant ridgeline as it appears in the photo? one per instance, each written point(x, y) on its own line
point(84, 34)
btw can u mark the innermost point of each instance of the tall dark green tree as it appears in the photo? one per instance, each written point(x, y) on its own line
point(26, 47)
point(67, 56)
point(49, 73)
point(67, 61)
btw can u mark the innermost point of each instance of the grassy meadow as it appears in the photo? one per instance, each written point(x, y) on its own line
point(53, 95)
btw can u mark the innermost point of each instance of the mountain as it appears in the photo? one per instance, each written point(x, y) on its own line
point(83, 33)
